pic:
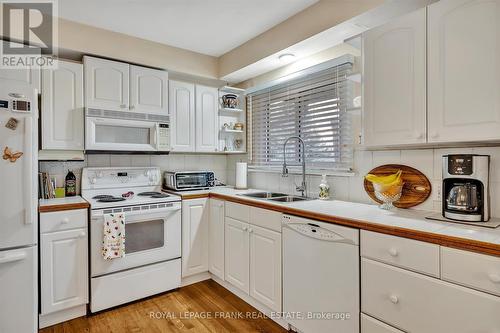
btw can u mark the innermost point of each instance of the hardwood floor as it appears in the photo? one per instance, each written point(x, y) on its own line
point(176, 311)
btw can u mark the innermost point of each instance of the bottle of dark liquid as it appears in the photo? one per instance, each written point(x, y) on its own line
point(70, 184)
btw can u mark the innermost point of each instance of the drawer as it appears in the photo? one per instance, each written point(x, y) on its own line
point(418, 303)
point(67, 219)
point(471, 269)
point(372, 325)
point(238, 211)
point(402, 252)
point(265, 218)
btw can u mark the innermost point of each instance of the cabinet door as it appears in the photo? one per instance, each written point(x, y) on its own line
point(182, 116)
point(207, 120)
point(394, 103)
point(216, 238)
point(464, 70)
point(64, 272)
point(106, 84)
point(195, 217)
point(148, 90)
point(62, 107)
point(26, 77)
point(236, 254)
point(265, 266)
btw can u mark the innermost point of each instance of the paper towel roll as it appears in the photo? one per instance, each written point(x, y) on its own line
point(241, 175)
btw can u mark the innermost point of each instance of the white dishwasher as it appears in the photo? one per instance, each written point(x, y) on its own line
point(320, 276)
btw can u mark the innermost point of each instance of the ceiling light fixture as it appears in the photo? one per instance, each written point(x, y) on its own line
point(286, 57)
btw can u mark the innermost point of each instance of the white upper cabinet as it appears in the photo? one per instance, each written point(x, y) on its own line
point(106, 84)
point(207, 120)
point(464, 70)
point(182, 116)
point(394, 93)
point(62, 107)
point(23, 77)
point(148, 90)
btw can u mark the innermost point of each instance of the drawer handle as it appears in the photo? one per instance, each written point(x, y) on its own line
point(394, 299)
point(65, 220)
point(495, 278)
point(393, 252)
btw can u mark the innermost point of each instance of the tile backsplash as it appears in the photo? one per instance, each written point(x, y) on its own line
point(216, 163)
point(428, 161)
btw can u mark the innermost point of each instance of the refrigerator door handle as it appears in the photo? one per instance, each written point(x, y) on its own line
point(28, 153)
point(12, 258)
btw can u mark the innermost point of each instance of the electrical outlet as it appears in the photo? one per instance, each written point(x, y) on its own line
point(436, 191)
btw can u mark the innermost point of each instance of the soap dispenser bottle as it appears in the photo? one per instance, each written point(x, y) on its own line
point(324, 189)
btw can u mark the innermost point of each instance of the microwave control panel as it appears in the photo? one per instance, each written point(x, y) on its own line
point(163, 137)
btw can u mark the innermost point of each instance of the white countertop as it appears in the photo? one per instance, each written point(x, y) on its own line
point(61, 201)
point(401, 218)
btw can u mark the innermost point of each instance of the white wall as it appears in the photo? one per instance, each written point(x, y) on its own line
point(428, 161)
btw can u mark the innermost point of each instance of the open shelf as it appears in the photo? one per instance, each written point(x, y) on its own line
point(232, 90)
point(355, 77)
point(227, 130)
point(235, 110)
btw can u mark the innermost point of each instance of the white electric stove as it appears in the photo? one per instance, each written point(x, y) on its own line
point(152, 261)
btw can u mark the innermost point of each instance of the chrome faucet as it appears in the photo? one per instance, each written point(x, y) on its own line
point(303, 187)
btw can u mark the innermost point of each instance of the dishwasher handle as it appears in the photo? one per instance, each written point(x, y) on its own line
point(315, 231)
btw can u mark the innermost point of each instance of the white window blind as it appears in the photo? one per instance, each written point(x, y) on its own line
point(312, 107)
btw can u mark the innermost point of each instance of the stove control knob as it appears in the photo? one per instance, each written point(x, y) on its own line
point(99, 174)
point(92, 180)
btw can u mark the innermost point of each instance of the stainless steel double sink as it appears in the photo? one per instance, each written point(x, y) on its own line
point(275, 196)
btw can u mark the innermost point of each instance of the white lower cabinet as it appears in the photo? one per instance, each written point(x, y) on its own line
point(253, 255)
point(63, 265)
point(195, 216)
point(216, 238)
point(421, 304)
point(237, 254)
point(265, 266)
point(372, 325)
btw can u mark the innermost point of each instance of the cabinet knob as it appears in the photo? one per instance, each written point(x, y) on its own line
point(418, 135)
point(123, 106)
point(82, 234)
point(245, 228)
point(394, 299)
point(434, 135)
point(65, 220)
point(393, 252)
point(495, 278)
point(250, 230)
point(132, 107)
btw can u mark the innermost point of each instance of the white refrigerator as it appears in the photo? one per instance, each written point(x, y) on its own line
point(18, 209)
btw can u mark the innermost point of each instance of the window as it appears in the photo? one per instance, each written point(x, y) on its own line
point(311, 106)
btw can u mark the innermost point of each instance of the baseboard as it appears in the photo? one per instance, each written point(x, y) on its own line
point(195, 278)
point(271, 314)
point(61, 316)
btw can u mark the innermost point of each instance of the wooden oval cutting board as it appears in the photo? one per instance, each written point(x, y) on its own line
point(416, 189)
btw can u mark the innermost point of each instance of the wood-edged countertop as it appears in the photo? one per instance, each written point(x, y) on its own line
point(407, 223)
point(60, 204)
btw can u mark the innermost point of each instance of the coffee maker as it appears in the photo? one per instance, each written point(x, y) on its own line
point(466, 188)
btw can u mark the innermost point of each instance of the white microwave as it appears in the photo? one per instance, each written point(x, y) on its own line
point(107, 130)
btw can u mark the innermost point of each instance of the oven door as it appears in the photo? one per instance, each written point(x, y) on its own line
point(120, 134)
point(152, 235)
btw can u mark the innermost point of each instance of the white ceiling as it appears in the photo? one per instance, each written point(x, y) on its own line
point(211, 27)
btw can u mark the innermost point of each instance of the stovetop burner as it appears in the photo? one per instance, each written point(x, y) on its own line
point(102, 196)
point(154, 195)
point(110, 199)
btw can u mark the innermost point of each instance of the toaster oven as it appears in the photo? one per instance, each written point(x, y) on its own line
point(188, 180)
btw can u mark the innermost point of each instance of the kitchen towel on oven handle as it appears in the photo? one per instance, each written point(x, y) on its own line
point(113, 243)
